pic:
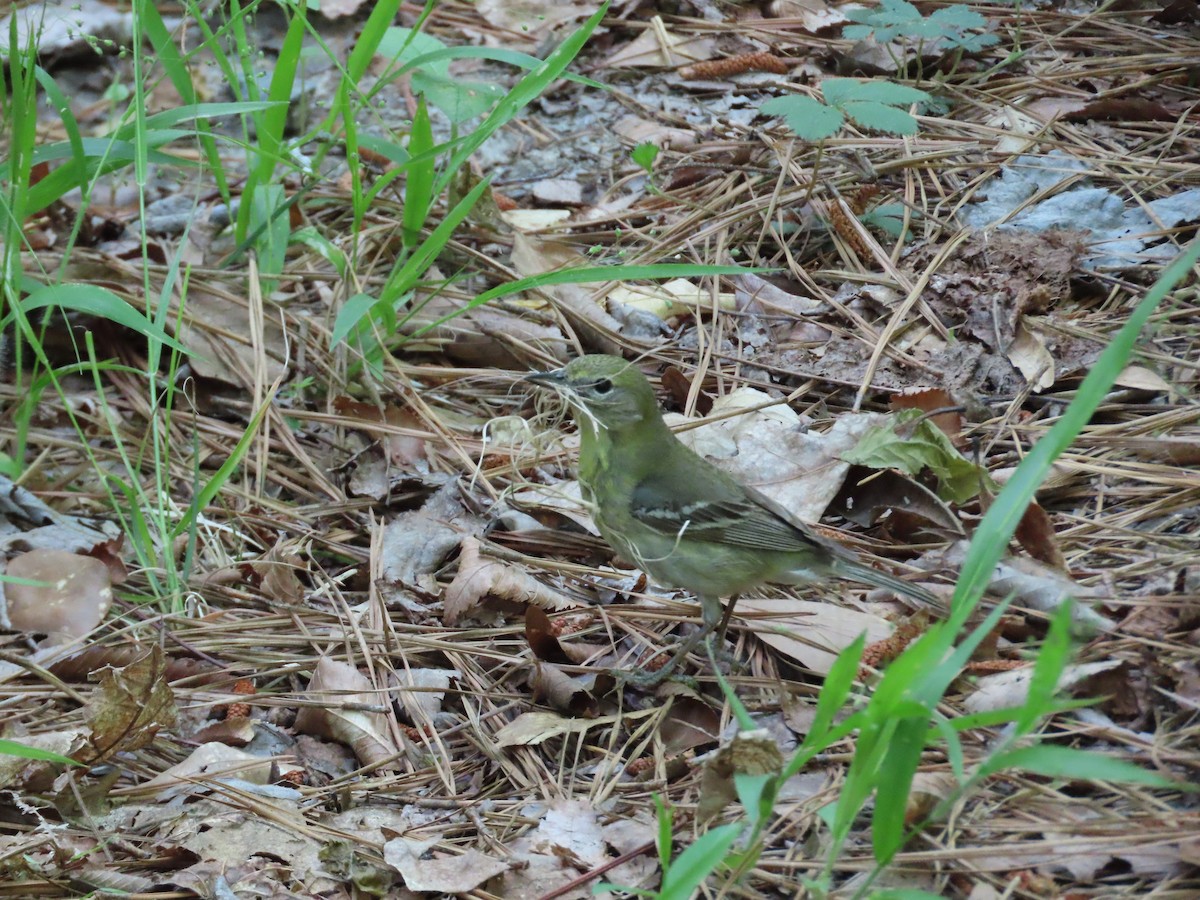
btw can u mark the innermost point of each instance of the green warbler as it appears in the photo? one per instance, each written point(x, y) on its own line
point(682, 520)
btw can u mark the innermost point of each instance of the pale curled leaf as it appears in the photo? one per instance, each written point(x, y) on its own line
point(64, 595)
point(448, 874)
point(479, 577)
point(336, 689)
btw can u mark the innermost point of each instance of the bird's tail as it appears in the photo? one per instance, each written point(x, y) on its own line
point(857, 571)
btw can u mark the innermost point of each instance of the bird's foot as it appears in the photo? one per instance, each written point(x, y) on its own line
point(645, 677)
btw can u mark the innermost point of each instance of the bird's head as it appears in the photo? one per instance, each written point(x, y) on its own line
point(607, 391)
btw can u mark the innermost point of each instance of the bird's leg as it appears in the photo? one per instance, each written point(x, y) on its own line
point(644, 678)
point(711, 619)
point(716, 644)
point(725, 619)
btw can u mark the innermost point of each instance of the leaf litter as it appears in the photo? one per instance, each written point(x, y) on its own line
point(407, 729)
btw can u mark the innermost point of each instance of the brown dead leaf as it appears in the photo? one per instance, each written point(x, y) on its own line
point(810, 632)
point(233, 837)
point(558, 690)
point(1037, 586)
point(334, 690)
point(1035, 532)
point(215, 325)
point(950, 421)
point(534, 256)
point(1007, 690)
point(689, 723)
point(755, 294)
point(416, 544)
point(1029, 354)
point(208, 764)
point(479, 577)
point(421, 691)
point(1116, 109)
point(1143, 379)
point(656, 47)
point(18, 773)
point(533, 19)
point(235, 732)
point(540, 633)
point(749, 753)
point(403, 450)
point(130, 706)
point(442, 874)
point(530, 729)
point(767, 449)
point(815, 16)
point(336, 9)
point(865, 500)
point(278, 570)
point(63, 595)
point(558, 191)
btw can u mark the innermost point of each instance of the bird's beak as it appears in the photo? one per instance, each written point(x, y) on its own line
point(548, 379)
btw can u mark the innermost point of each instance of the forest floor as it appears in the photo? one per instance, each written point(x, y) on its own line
point(363, 635)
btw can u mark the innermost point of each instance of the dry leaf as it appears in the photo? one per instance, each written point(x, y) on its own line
point(1142, 379)
point(677, 297)
point(18, 773)
point(657, 48)
point(1006, 690)
point(421, 691)
point(1029, 354)
point(927, 791)
point(66, 595)
point(529, 221)
point(809, 632)
point(949, 422)
point(1035, 532)
point(479, 577)
point(457, 874)
point(207, 764)
point(533, 19)
point(131, 705)
point(334, 688)
point(558, 690)
point(530, 729)
point(749, 753)
point(766, 449)
point(277, 569)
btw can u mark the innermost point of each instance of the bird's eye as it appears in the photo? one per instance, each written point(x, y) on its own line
point(603, 386)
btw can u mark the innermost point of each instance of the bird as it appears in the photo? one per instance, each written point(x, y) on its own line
point(682, 520)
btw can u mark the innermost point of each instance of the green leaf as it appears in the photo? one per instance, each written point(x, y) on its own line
point(927, 446)
point(24, 751)
point(314, 240)
point(644, 155)
point(836, 690)
point(1052, 660)
point(404, 46)
point(349, 316)
point(896, 773)
point(459, 100)
point(1067, 762)
point(887, 217)
point(810, 120)
point(839, 91)
point(418, 188)
point(697, 862)
point(752, 793)
point(879, 117)
point(98, 301)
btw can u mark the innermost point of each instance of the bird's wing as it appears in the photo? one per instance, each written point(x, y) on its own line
point(719, 511)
